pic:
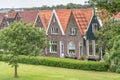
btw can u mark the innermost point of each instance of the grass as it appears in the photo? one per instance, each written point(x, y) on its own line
point(35, 72)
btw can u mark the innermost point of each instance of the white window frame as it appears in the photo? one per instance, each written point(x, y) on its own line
point(62, 47)
point(81, 44)
point(93, 27)
point(62, 51)
point(71, 49)
point(90, 44)
point(53, 30)
point(52, 42)
point(73, 31)
point(54, 20)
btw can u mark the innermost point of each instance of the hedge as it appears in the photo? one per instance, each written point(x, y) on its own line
point(59, 62)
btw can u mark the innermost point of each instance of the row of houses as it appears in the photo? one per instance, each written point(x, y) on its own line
point(72, 31)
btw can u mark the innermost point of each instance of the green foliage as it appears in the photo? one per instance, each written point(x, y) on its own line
point(22, 39)
point(57, 62)
point(115, 54)
point(112, 6)
point(107, 34)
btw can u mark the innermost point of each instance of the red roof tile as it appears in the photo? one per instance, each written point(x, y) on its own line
point(1, 16)
point(63, 16)
point(83, 18)
point(28, 16)
point(45, 16)
point(117, 15)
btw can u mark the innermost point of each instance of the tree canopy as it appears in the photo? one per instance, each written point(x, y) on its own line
point(112, 6)
point(22, 39)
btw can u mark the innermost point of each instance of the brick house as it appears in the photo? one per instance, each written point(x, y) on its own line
point(8, 18)
point(71, 31)
point(26, 16)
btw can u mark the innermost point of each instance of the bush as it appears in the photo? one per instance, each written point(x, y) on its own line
point(58, 62)
point(113, 68)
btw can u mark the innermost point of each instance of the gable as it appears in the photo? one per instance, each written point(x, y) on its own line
point(54, 23)
point(63, 16)
point(4, 23)
point(17, 17)
point(71, 24)
point(39, 23)
point(90, 34)
point(83, 18)
point(45, 16)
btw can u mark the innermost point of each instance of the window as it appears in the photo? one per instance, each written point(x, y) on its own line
point(71, 49)
point(62, 47)
point(94, 27)
point(81, 49)
point(53, 46)
point(90, 47)
point(73, 31)
point(54, 20)
point(54, 30)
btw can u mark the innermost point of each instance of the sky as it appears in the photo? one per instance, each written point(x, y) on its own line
point(35, 3)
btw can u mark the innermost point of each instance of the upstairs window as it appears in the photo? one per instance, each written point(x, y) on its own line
point(54, 30)
point(73, 31)
point(94, 27)
point(54, 20)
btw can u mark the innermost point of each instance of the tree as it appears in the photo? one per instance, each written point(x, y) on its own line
point(22, 39)
point(112, 6)
point(107, 35)
point(115, 55)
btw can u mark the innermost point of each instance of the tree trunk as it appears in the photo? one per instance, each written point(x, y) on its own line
point(15, 73)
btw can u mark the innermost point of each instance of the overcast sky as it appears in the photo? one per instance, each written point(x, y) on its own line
point(35, 3)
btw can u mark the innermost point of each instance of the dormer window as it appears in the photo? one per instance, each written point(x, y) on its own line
point(54, 30)
point(73, 31)
point(94, 27)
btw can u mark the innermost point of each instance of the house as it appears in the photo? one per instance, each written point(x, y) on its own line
point(1, 18)
point(8, 18)
point(43, 18)
point(26, 16)
point(72, 32)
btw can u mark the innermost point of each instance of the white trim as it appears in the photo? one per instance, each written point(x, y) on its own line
point(62, 53)
point(51, 48)
point(90, 21)
point(54, 12)
point(93, 27)
point(87, 45)
point(100, 22)
point(49, 23)
point(94, 47)
point(79, 48)
point(36, 18)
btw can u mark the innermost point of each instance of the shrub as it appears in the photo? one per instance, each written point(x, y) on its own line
point(113, 68)
point(58, 62)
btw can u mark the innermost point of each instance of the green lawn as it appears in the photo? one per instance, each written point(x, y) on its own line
point(33, 72)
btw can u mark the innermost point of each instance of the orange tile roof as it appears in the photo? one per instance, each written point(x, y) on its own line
point(28, 16)
point(45, 16)
point(63, 16)
point(83, 18)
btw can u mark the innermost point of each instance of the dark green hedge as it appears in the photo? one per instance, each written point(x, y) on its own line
point(58, 62)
